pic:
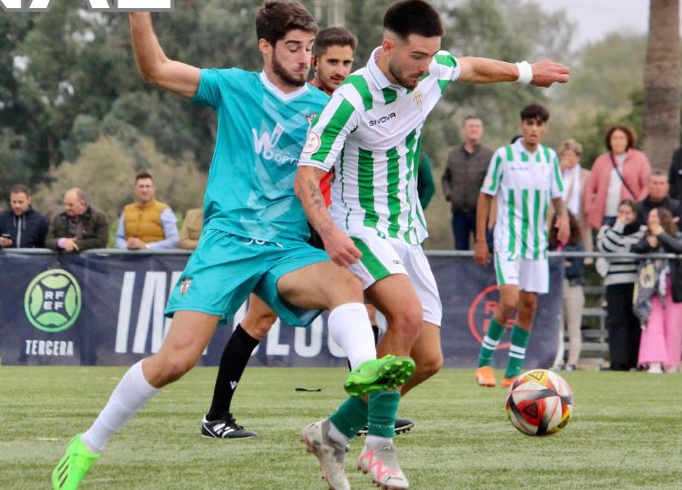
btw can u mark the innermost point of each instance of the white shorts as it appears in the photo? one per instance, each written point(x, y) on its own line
point(382, 257)
point(528, 274)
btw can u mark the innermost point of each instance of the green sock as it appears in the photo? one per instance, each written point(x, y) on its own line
point(490, 342)
point(350, 417)
point(517, 351)
point(383, 408)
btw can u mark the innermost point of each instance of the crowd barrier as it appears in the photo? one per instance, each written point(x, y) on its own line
point(105, 307)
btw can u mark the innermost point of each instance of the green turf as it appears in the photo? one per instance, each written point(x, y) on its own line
point(626, 433)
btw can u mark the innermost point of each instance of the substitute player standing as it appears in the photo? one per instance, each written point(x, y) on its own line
point(523, 177)
point(370, 133)
point(254, 232)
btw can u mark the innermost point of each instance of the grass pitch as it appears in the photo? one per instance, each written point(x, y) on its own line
point(626, 433)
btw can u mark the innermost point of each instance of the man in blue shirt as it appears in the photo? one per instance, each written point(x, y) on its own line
point(253, 238)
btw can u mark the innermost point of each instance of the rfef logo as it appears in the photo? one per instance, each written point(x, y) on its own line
point(481, 312)
point(92, 5)
point(52, 301)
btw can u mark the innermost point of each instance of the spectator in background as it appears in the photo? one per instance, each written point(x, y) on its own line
point(425, 184)
point(146, 223)
point(575, 177)
point(658, 300)
point(21, 226)
point(79, 227)
point(463, 178)
point(621, 173)
point(675, 177)
point(191, 228)
point(659, 197)
point(619, 278)
point(574, 296)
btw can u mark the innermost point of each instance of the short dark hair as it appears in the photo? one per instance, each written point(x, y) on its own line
point(413, 17)
point(143, 175)
point(629, 203)
point(275, 19)
point(333, 36)
point(632, 138)
point(470, 117)
point(534, 111)
point(17, 188)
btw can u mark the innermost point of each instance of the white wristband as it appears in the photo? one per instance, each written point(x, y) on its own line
point(525, 72)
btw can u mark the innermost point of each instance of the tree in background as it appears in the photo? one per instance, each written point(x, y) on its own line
point(662, 72)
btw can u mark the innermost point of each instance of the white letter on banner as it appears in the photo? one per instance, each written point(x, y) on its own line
point(175, 276)
point(274, 348)
point(151, 5)
point(301, 347)
point(124, 307)
point(153, 294)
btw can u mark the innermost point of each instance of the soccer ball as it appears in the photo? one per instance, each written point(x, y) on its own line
point(539, 403)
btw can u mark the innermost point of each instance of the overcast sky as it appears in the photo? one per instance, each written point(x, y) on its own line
point(596, 18)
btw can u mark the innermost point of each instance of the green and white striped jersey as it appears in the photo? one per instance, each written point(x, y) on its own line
point(370, 133)
point(524, 183)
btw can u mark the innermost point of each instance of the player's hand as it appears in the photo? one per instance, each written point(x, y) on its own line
point(563, 228)
point(546, 72)
point(341, 248)
point(481, 253)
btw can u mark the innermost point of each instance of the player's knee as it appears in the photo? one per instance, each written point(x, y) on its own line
point(431, 365)
point(407, 321)
point(260, 327)
point(347, 289)
point(507, 305)
point(527, 303)
point(175, 367)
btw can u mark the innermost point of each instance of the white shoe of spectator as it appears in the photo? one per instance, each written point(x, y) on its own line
point(655, 368)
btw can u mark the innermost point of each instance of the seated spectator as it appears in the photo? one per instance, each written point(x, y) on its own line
point(619, 279)
point(191, 228)
point(79, 227)
point(575, 177)
point(22, 226)
point(574, 296)
point(146, 223)
point(659, 197)
point(658, 302)
point(621, 173)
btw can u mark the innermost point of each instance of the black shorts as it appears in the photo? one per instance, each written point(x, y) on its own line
point(315, 239)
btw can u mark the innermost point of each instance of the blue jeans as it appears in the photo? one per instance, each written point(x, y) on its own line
point(463, 226)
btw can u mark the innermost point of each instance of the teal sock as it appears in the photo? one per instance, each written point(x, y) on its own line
point(350, 417)
point(490, 342)
point(517, 351)
point(383, 408)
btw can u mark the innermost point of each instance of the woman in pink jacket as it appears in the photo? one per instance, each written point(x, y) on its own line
point(621, 173)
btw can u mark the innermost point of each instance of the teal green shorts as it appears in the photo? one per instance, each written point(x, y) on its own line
point(225, 269)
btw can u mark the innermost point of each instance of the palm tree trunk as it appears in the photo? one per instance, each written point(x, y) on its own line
point(662, 73)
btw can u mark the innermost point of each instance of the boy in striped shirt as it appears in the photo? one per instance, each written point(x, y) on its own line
point(524, 177)
point(370, 133)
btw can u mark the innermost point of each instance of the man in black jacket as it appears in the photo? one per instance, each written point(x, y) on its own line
point(21, 226)
point(80, 227)
point(659, 197)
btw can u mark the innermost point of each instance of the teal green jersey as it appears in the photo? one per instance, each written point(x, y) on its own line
point(261, 132)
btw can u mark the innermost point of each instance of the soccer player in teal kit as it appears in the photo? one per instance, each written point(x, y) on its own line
point(254, 233)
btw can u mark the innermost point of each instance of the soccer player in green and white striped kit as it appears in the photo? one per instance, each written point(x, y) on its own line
point(370, 133)
point(524, 177)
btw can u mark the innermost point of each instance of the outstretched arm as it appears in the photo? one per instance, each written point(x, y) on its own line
point(152, 63)
point(484, 70)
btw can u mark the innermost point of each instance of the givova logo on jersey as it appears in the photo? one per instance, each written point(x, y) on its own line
point(266, 145)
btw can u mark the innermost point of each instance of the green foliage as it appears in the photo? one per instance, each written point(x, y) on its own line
point(106, 170)
point(623, 434)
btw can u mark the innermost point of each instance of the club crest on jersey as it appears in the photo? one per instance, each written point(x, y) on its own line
point(184, 285)
point(311, 117)
point(312, 143)
point(418, 98)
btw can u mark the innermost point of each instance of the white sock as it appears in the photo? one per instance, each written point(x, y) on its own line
point(350, 328)
point(129, 396)
point(375, 441)
point(336, 435)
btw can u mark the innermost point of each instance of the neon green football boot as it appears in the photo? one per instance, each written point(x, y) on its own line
point(73, 466)
point(379, 374)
